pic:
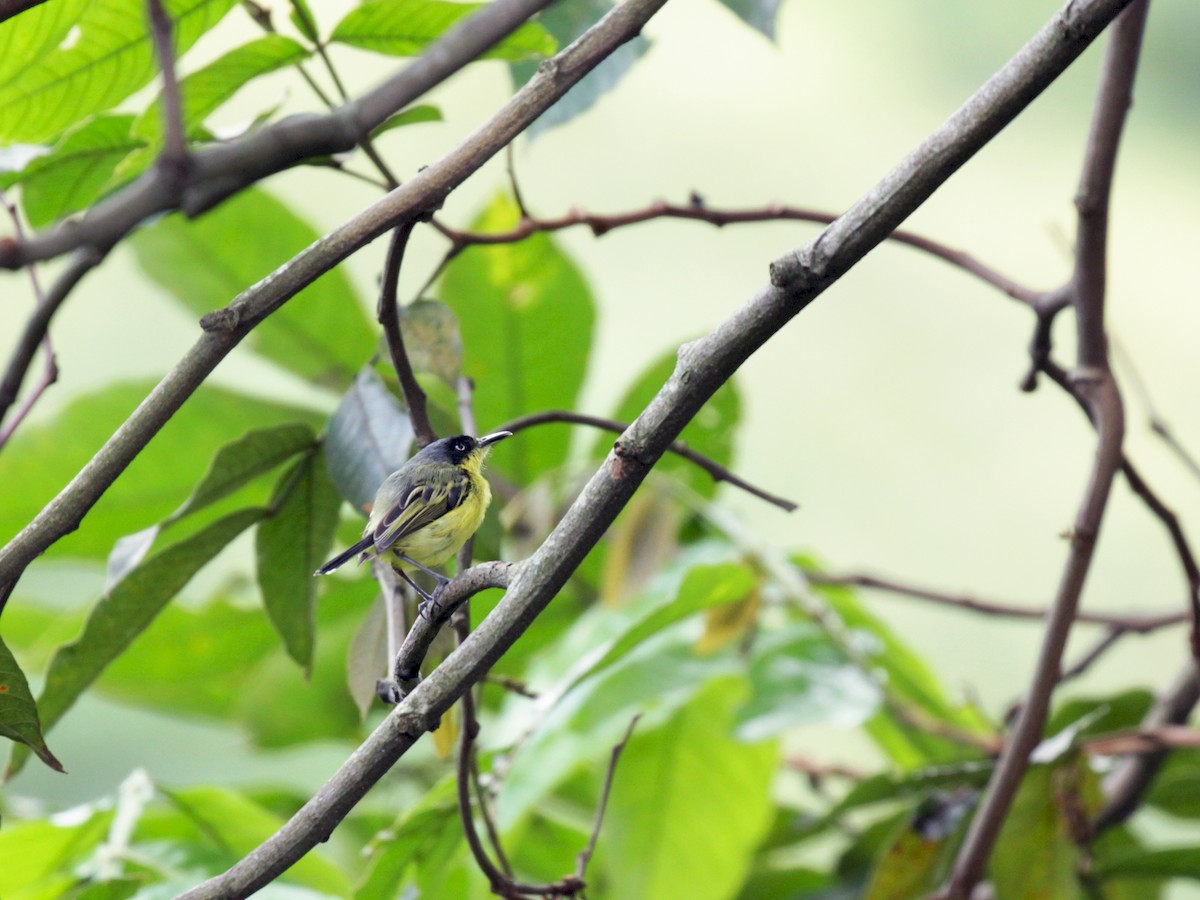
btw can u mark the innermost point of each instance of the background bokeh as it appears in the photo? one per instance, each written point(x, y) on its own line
point(889, 409)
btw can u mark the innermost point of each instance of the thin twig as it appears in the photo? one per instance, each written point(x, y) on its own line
point(174, 154)
point(49, 375)
point(585, 855)
point(365, 141)
point(511, 684)
point(679, 448)
point(1145, 740)
point(601, 224)
point(1165, 515)
point(1088, 659)
point(510, 166)
point(1138, 624)
point(1158, 424)
point(388, 314)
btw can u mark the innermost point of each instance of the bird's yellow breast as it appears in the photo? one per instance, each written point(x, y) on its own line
point(442, 538)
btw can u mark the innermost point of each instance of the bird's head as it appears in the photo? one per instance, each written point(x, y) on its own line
point(463, 450)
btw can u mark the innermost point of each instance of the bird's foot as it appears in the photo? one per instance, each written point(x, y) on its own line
point(429, 608)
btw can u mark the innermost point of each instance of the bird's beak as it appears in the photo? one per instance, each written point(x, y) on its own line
point(489, 439)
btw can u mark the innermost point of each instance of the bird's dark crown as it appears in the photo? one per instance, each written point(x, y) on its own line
point(452, 449)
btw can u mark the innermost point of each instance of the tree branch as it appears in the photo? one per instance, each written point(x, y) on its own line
point(388, 314)
point(1095, 382)
point(174, 153)
point(219, 171)
point(702, 367)
point(679, 448)
point(1139, 624)
point(225, 328)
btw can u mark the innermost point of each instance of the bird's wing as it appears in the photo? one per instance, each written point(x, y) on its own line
point(420, 505)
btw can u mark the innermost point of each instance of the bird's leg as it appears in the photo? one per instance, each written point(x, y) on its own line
point(428, 608)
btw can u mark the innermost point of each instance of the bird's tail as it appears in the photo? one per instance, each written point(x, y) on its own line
point(345, 556)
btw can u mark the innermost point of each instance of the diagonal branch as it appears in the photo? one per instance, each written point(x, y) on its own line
point(702, 367)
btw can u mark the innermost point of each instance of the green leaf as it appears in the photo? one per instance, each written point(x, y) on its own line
point(526, 316)
point(28, 37)
point(1102, 714)
point(241, 461)
point(1176, 787)
point(109, 889)
point(910, 680)
point(73, 175)
point(321, 334)
point(18, 713)
point(423, 840)
point(369, 437)
point(113, 57)
point(192, 661)
point(655, 680)
point(407, 27)
point(432, 339)
point(1167, 862)
point(317, 708)
point(126, 611)
point(758, 14)
point(206, 90)
point(241, 825)
point(37, 858)
point(919, 855)
point(1036, 855)
point(414, 115)
point(566, 21)
point(711, 432)
point(798, 677)
point(289, 545)
point(689, 804)
point(45, 456)
point(702, 588)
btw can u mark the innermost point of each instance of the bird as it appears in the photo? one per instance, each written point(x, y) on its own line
point(426, 510)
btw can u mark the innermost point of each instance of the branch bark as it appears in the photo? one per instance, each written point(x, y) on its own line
point(702, 367)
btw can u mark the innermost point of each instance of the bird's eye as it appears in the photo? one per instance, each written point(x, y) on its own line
point(460, 447)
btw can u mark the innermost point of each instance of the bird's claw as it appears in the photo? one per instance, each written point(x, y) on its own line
point(429, 609)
